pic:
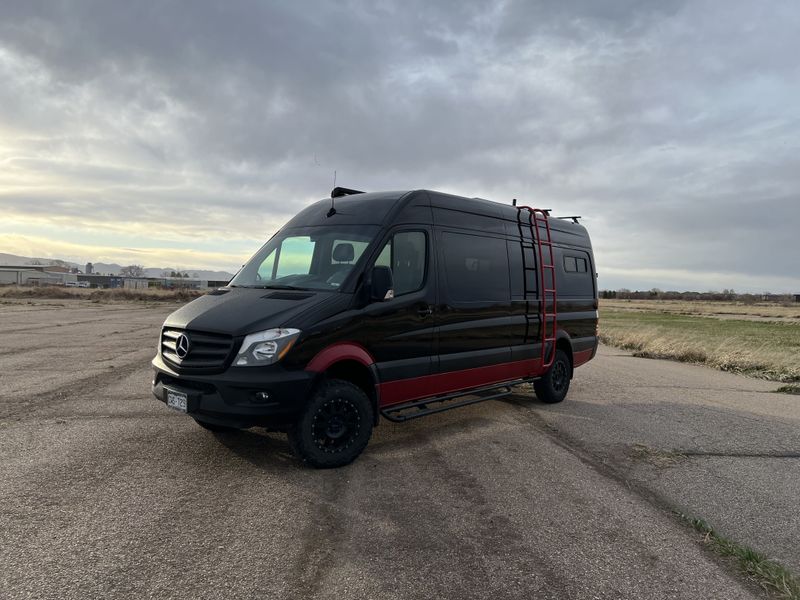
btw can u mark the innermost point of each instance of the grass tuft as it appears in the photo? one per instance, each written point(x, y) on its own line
point(767, 573)
point(789, 389)
point(655, 457)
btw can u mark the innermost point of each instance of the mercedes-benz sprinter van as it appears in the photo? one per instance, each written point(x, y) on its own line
point(398, 304)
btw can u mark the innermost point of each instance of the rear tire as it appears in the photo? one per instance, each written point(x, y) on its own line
point(335, 426)
point(215, 428)
point(554, 385)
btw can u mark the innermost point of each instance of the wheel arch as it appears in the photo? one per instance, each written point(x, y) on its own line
point(349, 362)
point(564, 342)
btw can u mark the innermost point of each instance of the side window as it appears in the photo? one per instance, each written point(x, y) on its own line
point(406, 254)
point(476, 268)
point(576, 280)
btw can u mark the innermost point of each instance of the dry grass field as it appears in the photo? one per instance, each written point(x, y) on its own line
point(767, 311)
point(761, 340)
point(97, 295)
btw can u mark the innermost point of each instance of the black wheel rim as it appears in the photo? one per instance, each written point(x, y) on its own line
point(560, 376)
point(336, 425)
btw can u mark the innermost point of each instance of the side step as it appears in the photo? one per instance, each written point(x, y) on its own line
point(421, 408)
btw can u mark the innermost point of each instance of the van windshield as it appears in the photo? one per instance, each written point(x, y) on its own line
point(308, 258)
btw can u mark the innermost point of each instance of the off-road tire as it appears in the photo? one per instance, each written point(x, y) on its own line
point(335, 426)
point(554, 385)
point(215, 428)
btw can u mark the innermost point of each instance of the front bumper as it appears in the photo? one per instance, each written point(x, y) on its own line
point(232, 398)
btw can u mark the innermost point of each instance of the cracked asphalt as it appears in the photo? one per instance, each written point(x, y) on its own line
point(104, 492)
point(732, 444)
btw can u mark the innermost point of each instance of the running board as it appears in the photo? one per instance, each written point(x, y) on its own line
point(489, 392)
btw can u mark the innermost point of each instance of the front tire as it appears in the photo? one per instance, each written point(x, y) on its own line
point(335, 426)
point(554, 385)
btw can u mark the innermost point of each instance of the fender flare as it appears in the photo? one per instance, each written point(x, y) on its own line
point(337, 352)
point(340, 351)
point(563, 335)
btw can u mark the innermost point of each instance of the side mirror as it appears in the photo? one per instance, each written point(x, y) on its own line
point(381, 284)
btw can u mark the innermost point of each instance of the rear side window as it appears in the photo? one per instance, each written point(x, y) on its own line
point(406, 254)
point(577, 278)
point(476, 268)
point(574, 264)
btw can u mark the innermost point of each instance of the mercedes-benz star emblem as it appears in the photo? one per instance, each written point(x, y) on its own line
point(182, 346)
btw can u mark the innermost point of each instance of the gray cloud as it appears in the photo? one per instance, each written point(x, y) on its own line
point(671, 126)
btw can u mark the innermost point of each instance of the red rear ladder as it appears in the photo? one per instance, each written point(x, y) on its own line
point(538, 223)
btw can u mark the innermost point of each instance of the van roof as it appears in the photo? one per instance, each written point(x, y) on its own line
point(375, 207)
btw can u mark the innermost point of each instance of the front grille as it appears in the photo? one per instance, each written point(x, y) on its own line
point(206, 350)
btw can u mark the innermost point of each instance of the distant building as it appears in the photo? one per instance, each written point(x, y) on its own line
point(89, 268)
point(32, 275)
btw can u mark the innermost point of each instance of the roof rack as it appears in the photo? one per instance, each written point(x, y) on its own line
point(573, 217)
point(338, 192)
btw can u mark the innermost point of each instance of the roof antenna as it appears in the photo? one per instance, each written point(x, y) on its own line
point(332, 210)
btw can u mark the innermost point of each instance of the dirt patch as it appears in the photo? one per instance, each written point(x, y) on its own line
point(658, 458)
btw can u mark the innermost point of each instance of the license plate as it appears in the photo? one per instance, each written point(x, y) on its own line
point(177, 400)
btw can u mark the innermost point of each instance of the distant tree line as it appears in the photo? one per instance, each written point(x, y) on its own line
point(725, 295)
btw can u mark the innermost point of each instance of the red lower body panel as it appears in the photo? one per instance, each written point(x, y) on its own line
point(581, 357)
point(403, 390)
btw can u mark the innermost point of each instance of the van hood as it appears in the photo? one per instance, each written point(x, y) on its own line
point(239, 311)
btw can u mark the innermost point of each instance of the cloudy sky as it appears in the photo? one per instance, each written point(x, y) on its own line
point(185, 133)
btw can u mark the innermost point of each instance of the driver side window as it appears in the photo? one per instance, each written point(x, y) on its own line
point(406, 255)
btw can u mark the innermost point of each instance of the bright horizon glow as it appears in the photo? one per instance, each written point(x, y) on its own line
point(672, 128)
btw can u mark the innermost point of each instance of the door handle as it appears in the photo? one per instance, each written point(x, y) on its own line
point(425, 312)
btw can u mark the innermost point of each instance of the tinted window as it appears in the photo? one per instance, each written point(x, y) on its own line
point(405, 253)
point(577, 280)
point(476, 268)
point(524, 283)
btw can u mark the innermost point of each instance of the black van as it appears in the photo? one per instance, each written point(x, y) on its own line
point(398, 304)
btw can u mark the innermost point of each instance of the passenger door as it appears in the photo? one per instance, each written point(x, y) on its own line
point(399, 333)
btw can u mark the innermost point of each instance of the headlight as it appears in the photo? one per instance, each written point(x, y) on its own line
point(265, 347)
